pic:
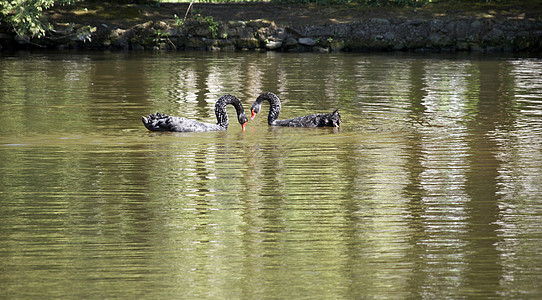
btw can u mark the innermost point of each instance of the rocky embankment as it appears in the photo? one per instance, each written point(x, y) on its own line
point(375, 34)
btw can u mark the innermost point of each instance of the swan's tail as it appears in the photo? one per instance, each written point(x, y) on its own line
point(334, 119)
point(156, 122)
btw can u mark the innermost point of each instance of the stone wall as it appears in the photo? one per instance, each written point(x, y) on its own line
point(364, 35)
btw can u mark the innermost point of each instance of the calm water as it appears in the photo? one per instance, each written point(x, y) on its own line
point(430, 189)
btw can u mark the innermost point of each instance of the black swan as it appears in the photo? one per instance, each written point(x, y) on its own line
point(163, 122)
point(314, 120)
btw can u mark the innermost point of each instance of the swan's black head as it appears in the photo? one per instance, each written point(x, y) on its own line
point(243, 120)
point(255, 109)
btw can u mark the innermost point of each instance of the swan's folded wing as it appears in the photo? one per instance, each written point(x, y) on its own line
point(181, 124)
point(162, 122)
point(315, 120)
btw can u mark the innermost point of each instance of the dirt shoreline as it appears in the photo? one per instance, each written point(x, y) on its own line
point(284, 15)
point(279, 27)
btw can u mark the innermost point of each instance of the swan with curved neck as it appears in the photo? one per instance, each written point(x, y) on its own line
point(314, 120)
point(163, 122)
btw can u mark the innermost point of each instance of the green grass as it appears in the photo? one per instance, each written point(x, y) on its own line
point(368, 2)
point(210, 1)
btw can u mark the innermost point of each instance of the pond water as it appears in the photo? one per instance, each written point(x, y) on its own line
point(431, 188)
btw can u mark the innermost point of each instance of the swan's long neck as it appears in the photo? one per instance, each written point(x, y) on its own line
point(220, 109)
point(274, 105)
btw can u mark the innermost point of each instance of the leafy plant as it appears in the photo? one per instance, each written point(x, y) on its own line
point(85, 33)
point(161, 35)
point(24, 16)
point(213, 25)
point(178, 21)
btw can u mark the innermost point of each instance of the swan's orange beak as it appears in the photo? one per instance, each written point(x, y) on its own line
point(244, 127)
point(252, 114)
